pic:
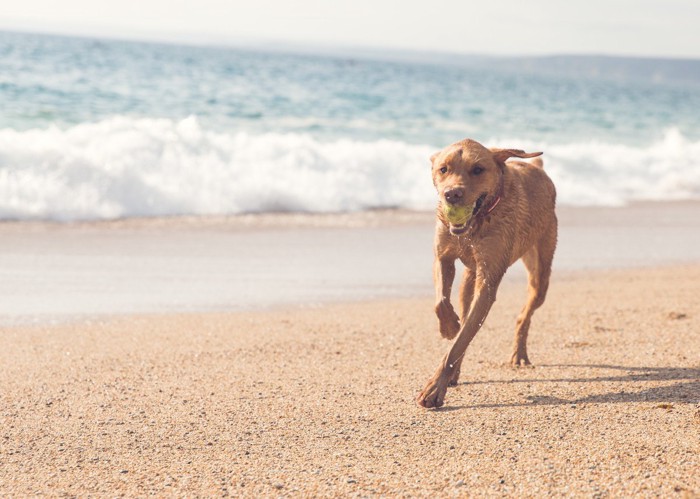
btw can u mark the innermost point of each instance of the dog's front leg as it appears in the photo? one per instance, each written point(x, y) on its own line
point(444, 275)
point(466, 296)
point(433, 394)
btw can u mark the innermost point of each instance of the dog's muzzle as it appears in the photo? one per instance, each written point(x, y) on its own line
point(458, 229)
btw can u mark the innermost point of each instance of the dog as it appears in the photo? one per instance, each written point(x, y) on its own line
point(509, 210)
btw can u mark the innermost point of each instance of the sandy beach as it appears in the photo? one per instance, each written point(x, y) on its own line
point(314, 396)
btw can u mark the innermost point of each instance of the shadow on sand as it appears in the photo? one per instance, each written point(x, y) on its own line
point(685, 390)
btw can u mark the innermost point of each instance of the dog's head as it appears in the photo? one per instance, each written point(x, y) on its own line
point(468, 177)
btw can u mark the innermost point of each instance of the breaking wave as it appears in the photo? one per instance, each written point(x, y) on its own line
point(135, 167)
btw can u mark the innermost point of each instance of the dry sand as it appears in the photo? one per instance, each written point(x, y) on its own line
point(320, 401)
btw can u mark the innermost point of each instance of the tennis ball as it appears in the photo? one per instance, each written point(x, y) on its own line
point(457, 215)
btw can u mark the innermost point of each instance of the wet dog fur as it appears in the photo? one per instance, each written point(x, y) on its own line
point(512, 205)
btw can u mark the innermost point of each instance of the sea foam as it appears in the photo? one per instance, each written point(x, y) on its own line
point(133, 167)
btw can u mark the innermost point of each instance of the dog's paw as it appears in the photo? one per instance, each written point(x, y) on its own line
point(519, 359)
point(449, 329)
point(447, 319)
point(433, 395)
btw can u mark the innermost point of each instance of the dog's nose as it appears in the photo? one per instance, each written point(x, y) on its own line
point(454, 195)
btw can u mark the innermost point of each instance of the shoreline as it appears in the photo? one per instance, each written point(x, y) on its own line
point(568, 214)
point(53, 271)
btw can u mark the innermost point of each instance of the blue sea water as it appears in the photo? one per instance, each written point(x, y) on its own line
point(99, 129)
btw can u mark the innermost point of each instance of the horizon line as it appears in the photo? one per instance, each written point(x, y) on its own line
point(328, 49)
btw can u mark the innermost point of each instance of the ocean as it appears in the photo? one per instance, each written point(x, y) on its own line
point(102, 129)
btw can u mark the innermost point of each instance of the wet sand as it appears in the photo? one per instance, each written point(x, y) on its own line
point(318, 400)
point(59, 271)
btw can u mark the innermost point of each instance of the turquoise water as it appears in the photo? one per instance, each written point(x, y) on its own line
point(106, 129)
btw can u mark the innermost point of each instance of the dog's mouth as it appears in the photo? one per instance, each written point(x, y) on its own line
point(456, 230)
point(461, 228)
point(479, 203)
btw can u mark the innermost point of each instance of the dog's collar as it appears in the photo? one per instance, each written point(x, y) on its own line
point(493, 205)
point(496, 199)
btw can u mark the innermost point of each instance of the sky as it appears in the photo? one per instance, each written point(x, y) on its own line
point(497, 27)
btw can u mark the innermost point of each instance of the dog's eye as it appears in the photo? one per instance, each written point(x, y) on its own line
point(478, 170)
point(443, 169)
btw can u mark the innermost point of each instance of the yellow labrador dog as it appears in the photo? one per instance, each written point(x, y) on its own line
point(491, 212)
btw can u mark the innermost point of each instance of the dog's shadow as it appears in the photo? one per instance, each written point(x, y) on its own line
point(685, 390)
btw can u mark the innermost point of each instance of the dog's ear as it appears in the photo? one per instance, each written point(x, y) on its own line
point(501, 155)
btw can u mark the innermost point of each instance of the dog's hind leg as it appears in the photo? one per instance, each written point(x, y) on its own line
point(538, 262)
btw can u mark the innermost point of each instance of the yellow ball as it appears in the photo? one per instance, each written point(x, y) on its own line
point(457, 215)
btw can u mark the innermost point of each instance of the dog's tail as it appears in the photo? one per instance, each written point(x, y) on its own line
point(537, 162)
